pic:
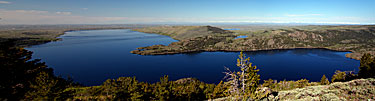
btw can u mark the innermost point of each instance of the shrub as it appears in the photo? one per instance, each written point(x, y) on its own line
point(339, 76)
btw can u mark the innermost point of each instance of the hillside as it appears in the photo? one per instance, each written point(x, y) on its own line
point(184, 32)
point(357, 39)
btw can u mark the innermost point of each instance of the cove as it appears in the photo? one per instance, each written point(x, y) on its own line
point(92, 56)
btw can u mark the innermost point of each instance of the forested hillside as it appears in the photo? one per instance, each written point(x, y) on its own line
point(357, 39)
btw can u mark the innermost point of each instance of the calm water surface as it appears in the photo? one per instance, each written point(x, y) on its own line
point(90, 57)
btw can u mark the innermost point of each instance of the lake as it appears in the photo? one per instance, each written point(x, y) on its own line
point(92, 56)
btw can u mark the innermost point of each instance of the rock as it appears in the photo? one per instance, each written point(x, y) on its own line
point(359, 89)
point(270, 42)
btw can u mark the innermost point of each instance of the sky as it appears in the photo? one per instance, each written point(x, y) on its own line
point(186, 11)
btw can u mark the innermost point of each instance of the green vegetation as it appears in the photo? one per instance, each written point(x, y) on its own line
point(339, 76)
point(367, 66)
point(128, 88)
point(366, 70)
point(23, 78)
point(287, 85)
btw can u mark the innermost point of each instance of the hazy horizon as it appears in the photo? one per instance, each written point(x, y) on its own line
point(319, 12)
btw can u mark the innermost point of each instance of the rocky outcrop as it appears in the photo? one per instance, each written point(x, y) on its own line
point(359, 89)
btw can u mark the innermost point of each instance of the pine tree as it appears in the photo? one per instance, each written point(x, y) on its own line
point(128, 88)
point(108, 88)
point(163, 88)
point(367, 66)
point(43, 88)
point(218, 90)
point(134, 89)
point(324, 80)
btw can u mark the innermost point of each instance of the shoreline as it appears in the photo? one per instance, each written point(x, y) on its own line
point(257, 50)
point(40, 41)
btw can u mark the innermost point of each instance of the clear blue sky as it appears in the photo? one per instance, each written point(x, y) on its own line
point(187, 11)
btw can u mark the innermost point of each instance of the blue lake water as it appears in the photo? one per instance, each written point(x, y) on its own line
point(232, 29)
point(92, 56)
point(241, 36)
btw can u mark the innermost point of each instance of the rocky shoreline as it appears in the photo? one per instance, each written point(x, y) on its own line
point(140, 51)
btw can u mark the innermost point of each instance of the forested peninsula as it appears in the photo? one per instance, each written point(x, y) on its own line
point(358, 39)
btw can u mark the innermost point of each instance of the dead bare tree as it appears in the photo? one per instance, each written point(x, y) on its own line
point(244, 83)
